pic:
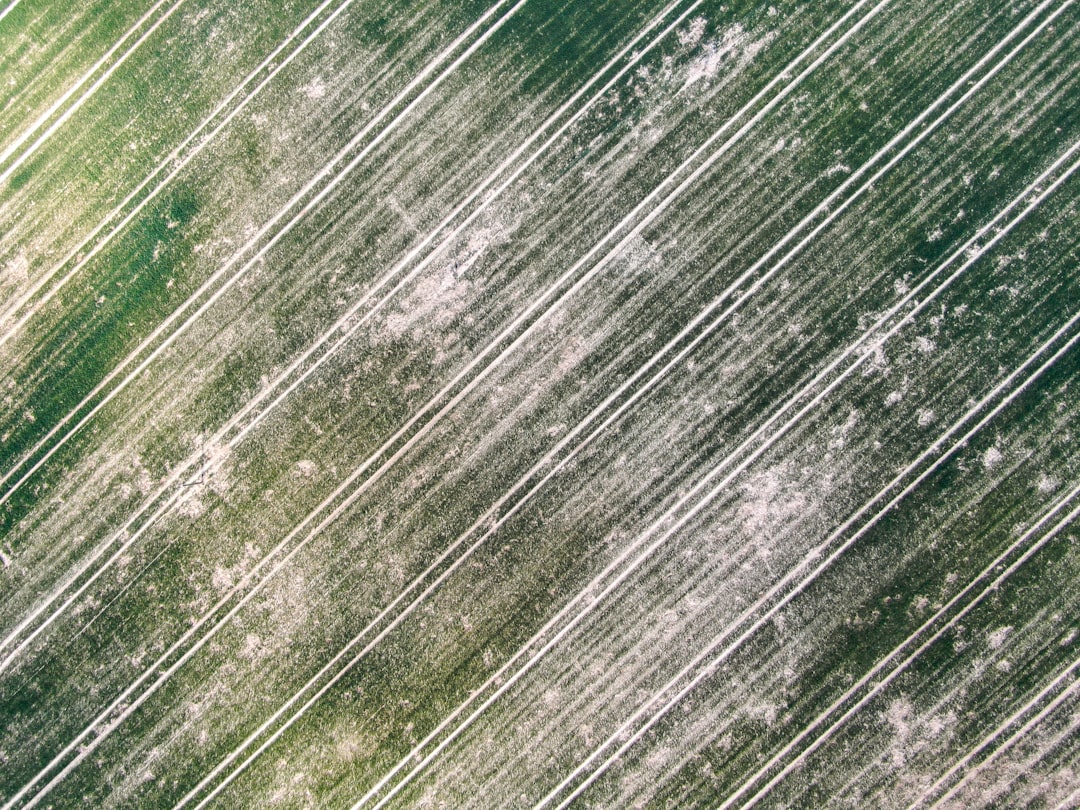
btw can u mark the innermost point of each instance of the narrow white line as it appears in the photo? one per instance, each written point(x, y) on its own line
point(15, 164)
point(85, 750)
point(9, 9)
point(483, 520)
point(596, 248)
point(709, 668)
point(124, 539)
point(823, 547)
point(648, 552)
point(1071, 802)
point(263, 231)
point(900, 668)
point(1064, 734)
point(235, 754)
point(88, 747)
point(338, 510)
point(169, 160)
point(620, 733)
point(991, 738)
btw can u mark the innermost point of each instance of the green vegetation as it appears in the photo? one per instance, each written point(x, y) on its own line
point(447, 447)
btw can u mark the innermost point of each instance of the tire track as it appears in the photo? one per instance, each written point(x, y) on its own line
point(345, 327)
point(593, 593)
point(492, 517)
point(1070, 802)
point(103, 718)
point(174, 160)
point(86, 96)
point(707, 669)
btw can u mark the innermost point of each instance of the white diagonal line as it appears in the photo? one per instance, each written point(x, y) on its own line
point(232, 756)
point(996, 734)
point(172, 159)
point(124, 538)
point(705, 669)
point(902, 667)
point(236, 257)
point(483, 520)
point(628, 740)
point(629, 218)
point(8, 10)
point(88, 747)
point(966, 249)
point(86, 96)
point(1070, 802)
point(823, 547)
point(85, 750)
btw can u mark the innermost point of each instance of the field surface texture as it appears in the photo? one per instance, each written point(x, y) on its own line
point(540, 403)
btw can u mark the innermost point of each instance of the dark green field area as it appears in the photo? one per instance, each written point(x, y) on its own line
point(541, 404)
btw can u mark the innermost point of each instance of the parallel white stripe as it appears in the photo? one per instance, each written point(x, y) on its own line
point(86, 96)
point(1071, 802)
point(178, 473)
point(170, 160)
point(8, 10)
point(124, 538)
point(991, 738)
point(86, 749)
point(620, 733)
point(486, 517)
point(1057, 736)
point(643, 204)
point(710, 669)
point(823, 547)
point(688, 181)
point(263, 231)
point(338, 510)
point(707, 669)
point(609, 569)
point(129, 708)
point(900, 668)
point(56, 105)
point(727, 125)
point(232, 756)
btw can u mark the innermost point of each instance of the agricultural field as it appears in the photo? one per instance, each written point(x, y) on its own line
point(540, 403)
